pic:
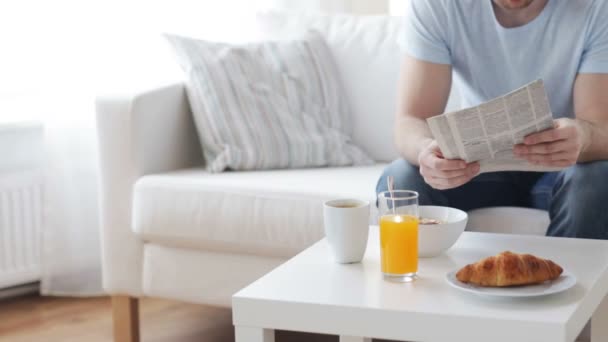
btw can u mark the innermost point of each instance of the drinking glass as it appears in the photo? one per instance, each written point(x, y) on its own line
point(398, 211)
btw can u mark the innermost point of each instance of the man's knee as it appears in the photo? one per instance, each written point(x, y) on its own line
point(589, 180)
point(582, 195)
point(407, 177)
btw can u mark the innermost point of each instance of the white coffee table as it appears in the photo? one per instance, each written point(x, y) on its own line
point(311, 293)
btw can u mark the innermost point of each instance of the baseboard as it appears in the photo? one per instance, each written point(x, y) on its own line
point(19, 290)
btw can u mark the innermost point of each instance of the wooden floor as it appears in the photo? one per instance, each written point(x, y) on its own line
point(33, 319)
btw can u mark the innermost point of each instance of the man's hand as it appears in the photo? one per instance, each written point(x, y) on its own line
point(443, 173)
point(560, 146)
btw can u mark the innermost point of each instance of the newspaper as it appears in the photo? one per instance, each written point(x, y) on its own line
point(488, 132)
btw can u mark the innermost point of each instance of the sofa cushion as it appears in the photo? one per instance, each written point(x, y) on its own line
point(268, 105)
point(368, 55)
point(269, 213)
point(511, 220)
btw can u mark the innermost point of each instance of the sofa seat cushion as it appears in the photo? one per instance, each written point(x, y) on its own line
point(509, 220)
point(268, 213)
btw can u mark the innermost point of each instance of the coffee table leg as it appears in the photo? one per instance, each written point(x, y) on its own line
point(249, 334)
point(599, 328)
point(354, 339)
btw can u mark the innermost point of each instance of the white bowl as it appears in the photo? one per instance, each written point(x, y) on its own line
point(434, 239)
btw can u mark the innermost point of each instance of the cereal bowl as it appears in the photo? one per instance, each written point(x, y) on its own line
point(434, 239)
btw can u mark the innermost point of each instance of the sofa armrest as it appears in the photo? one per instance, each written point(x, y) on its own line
point(139, 133)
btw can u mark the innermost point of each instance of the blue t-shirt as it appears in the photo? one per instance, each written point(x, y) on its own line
point(488, 60)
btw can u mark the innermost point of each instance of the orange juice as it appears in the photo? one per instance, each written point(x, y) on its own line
point(399, 244)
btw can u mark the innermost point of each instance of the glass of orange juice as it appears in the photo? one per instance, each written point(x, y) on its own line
point(398, 211)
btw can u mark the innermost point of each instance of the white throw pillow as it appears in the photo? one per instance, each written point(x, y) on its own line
point(268, 105)
point(368, 54)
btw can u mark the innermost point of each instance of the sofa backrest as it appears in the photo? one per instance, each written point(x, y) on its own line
point(368, 56)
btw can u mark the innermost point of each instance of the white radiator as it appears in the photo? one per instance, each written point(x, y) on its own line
point(21, 156)
point(20, 228)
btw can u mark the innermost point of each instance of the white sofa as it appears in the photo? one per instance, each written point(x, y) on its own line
point(172, 230)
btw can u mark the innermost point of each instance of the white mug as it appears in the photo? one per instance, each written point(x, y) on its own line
point(347, 228)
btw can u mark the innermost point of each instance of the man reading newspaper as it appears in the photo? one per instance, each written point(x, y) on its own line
point(491, 48)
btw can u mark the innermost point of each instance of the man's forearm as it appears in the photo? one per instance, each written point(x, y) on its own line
point(411, 136)
point(424, 89)
point(595, 142)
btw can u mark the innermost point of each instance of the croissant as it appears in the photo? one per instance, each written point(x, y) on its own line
point(509, 269)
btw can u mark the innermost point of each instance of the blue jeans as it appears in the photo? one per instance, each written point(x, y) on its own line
point(576, 197)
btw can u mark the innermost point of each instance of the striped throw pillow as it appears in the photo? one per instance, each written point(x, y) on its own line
point(268, 105)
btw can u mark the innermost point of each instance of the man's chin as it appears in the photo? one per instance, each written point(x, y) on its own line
point(513, 4)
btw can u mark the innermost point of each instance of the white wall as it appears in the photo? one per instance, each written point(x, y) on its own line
point(397, 7)
point(356, 6)
point(337, 6)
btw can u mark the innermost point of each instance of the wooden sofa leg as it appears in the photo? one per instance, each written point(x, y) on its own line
point(125, 312)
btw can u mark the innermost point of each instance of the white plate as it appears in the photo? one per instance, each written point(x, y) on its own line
point(563, 283)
